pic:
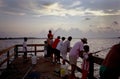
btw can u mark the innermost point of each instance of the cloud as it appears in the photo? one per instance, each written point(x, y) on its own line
point(60, 7)
point(53, 9)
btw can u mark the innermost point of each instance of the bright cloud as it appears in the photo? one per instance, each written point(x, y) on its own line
point(59, 8)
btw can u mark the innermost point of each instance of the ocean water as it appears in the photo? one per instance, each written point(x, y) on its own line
point(95, 45)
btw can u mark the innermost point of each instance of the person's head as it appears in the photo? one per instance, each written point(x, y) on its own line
point(84, 40)
point(58, 37)
point(25, 39)
point(50, 31)
point(63, 38)
point(45, 42)
point(69, 38)
point(86, 48)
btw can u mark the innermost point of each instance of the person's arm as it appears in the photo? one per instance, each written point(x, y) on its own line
point(81, 53)
point(81, 50)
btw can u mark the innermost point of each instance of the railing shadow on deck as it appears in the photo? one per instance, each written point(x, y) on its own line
point(35, 50)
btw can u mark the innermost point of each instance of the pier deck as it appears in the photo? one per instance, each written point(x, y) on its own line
point(44, 69)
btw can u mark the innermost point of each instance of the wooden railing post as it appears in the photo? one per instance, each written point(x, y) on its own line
point(35, 50)
point(16, 51)
point(8, 59)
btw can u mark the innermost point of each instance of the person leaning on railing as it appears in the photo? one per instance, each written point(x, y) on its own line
point(76, 52)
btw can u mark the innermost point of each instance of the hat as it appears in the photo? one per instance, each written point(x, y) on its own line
point(84, 40)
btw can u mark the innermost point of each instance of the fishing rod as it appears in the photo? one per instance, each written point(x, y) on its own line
point(101, 50)
point(104, 49)
point(55, 31)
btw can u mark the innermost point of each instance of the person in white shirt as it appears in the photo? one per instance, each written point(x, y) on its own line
point(59, 48)
point(60, 44)
point(65, 48)
point(76, 51)
point(25, 49)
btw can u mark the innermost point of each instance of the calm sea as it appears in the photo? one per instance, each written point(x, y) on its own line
point(95, 45)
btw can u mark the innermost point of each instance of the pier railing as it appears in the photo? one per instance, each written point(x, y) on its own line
point(32, 48)
point(6, 55)
point(12, 52)
point(18, 49)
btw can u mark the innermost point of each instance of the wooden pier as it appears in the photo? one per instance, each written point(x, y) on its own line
point(44, 69)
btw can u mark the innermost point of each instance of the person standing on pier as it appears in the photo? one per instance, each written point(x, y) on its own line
point(110, 68)
point(76, 51)
point(55, 51)
point(85, 64)
point(59, 46)
point(49, 46)
point(25, 50)
point(65, 48)
point(50, 34)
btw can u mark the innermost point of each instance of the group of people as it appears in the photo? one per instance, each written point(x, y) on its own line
point(57, 47)
point(61, 47)
point(110, 68)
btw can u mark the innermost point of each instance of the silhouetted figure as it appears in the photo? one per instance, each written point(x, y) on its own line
point(25, 50)
point(110, 68)
point(50, 34)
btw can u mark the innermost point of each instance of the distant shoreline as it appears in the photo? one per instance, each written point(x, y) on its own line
point(20, 38)
point(14, 38)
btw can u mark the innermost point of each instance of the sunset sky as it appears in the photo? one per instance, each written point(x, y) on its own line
point(78, 18)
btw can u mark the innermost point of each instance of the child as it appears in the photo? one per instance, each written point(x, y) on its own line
point(45, 49)
point(85, 64)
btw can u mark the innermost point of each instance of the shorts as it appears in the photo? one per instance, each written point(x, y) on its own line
point(73, 60)
point(64, 55)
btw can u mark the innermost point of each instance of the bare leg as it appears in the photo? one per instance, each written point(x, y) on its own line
point(73, 67)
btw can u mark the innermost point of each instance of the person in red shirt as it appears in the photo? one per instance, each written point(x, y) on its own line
point(55, 51)
point(49, 46)
point(50, 34)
